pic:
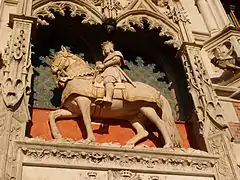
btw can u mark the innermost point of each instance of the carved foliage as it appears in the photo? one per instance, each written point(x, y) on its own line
point(170, 9)
point(177, 14)
point(121, 160)
point(139, 20)
point(47, 10)
point(218, 147)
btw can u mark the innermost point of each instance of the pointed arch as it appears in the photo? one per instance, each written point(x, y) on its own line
point(138, 17)
point(43, 9)
point(140, 11)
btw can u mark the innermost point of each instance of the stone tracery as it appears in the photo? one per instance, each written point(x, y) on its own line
point(209, 120)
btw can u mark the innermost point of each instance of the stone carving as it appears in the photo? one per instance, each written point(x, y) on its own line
point(123, 175)
point(207, 106)
point(110, 71)
point(139, 20)
point(217, 148)
point(225, 57)
point(77, 73)
point(91, 175)
point(16, 72)
point(47, 11)
point(17, 69)
point(110, 8)
point(177, 14)
point(161, 3)
point(89, 156)
point(154, 178)
point(208, 110)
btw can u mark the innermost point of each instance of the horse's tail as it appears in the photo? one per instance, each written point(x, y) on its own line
point(167, 117)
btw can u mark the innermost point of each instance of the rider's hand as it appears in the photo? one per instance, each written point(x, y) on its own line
point(100, 66)
point(63, 79)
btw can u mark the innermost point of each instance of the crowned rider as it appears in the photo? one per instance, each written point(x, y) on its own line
point(110, 70)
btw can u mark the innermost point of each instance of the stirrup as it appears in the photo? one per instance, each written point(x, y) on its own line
point(103, 100)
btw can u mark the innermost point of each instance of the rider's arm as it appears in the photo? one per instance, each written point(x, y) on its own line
point(114, 61)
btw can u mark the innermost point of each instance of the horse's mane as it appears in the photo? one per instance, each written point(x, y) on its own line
point(77, 58)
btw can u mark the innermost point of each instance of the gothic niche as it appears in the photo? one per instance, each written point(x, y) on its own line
point(147, 59)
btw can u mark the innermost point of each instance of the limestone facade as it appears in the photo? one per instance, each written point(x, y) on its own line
point(196, 28)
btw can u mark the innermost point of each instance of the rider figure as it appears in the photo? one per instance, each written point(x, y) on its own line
point(110, 70)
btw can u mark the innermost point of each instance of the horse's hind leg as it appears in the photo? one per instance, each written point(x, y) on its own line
point(53, 115)
point(141, 132)
point(152, 115)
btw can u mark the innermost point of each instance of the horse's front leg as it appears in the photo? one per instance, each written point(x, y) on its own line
point(84, 105)
point(137, 124)
point(53, 115)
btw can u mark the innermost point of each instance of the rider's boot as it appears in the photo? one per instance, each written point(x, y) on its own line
point(109, 92)
point(109, 88)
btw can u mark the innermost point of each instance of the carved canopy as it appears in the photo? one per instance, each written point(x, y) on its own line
point(164, 16)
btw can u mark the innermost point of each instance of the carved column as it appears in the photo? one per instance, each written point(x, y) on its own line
point(16, 72)
point(219, 13)
point(209, 119)
point(207, 16)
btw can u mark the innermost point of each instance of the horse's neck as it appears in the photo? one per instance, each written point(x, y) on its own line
point(78, 68)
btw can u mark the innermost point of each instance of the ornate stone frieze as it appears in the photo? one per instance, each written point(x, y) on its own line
point(90, 13)
point(178, 160)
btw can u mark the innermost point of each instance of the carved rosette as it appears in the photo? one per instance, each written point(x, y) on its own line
point(87, 9)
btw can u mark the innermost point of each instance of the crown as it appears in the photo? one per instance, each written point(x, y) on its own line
point(107, 43)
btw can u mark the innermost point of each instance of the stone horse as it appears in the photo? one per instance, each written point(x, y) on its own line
point(140, 103)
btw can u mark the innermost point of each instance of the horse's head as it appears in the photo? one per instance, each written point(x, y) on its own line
point(63, 59)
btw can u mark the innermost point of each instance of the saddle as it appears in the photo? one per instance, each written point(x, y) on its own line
point(118, 93)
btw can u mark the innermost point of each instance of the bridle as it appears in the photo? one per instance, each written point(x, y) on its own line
point(62, 64)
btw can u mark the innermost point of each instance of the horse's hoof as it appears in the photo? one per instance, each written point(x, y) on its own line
point(88, 140)
point(168, 145)
point(129, 145)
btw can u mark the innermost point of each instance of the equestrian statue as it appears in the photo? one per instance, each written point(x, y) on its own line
point(106, 92)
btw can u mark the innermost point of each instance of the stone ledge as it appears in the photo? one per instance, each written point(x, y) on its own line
point(71, 154)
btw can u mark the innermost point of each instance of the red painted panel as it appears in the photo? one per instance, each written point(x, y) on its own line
point(114, 132)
